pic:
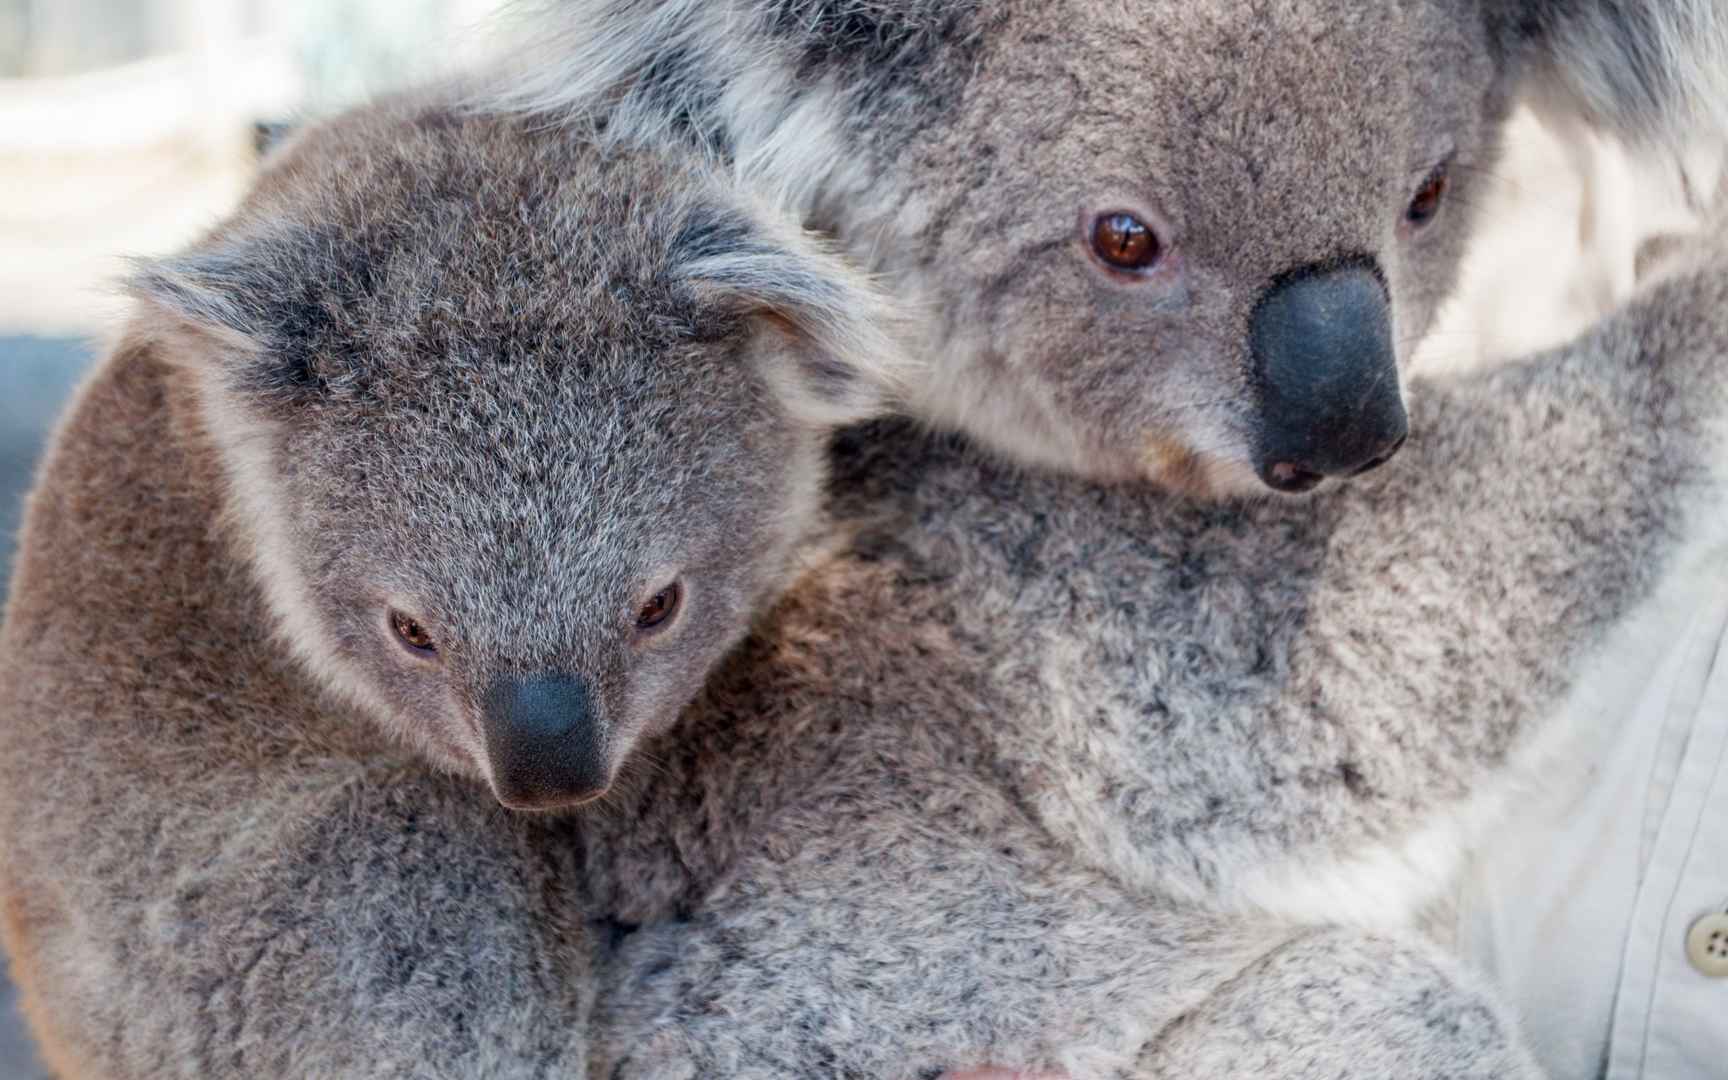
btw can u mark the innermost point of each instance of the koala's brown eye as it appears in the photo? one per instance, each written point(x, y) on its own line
point(1125, 242)
point(1429, 197)
point(660, 607)
point(412, 633)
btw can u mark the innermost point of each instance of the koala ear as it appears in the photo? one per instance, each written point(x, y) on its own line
point(833, 353)
point(241, 303)
point(1651, 72)
point(209, 293)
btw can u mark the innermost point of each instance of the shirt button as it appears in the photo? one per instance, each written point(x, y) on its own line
point(1707, 945)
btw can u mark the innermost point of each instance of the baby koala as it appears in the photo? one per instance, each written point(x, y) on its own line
point(457, 436)
point(514, 438)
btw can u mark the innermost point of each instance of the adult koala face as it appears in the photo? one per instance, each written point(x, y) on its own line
point(1167, 239)
point(1181, 242)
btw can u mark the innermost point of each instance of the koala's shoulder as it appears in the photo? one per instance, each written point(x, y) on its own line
point(121, 481)
point(133, 626)
point(1689, 302)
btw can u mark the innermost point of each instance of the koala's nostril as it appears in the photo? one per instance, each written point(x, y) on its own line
point(1291, 479)
point(545, 743)
point(1384, 456)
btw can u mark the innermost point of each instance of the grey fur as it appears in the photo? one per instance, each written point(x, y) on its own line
point(960, 147)
point(1651, 73)
point(438, 363)
point(1094, 718)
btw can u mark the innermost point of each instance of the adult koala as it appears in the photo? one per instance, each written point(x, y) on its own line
point(1190, 241)
point(1116, 769)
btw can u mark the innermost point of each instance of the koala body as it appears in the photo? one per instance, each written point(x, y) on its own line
point(1190, 241)
point(1118, 769)
point(459, 443)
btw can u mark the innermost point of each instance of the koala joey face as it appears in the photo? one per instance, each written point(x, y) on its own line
point(520, 440)
point(1181, 241)
point(529, 569)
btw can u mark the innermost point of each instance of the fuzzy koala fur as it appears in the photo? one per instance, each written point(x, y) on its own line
point(964, 148)
point(1116, 761)
point(453, 366)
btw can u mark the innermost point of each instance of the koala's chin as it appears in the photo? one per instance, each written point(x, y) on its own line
point(1171, 465)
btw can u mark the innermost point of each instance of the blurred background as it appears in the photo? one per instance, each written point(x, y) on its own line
point(129, 126)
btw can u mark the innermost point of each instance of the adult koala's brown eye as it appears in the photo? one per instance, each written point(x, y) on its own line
point(1125, 242)
point(412, 633)
point(1429, 197)
point(660, 608)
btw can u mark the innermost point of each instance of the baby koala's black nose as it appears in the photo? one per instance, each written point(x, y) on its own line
point(1321, 339)
point(546, 745)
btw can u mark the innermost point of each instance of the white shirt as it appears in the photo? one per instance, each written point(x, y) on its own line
point(1582, 908)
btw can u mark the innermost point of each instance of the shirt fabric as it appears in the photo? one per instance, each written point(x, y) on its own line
point(1580, 909)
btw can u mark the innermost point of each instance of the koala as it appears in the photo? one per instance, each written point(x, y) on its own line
point(1190, 242)
point(538, 497)
point(461, 444)
point(1136, 785)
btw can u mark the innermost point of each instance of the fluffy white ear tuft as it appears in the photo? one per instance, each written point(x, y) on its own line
point(836, 352)
point(1651, 72)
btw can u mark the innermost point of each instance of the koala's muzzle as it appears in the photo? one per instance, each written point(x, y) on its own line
point(1321, 340)
point(546, 745)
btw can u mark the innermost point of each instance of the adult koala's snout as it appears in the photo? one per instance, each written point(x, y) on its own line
point(545, 742)
point(1327, 374)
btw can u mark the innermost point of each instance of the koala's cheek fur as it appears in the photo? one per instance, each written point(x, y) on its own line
point(330, 577)
point(651, 699)
point(304, 569)
point(750, 560)
point(421, 702)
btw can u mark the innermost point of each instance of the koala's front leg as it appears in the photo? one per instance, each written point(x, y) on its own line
point(904, 942)
point(341, 921)
point(1438, 613)
point(902, 984)
point(1340, 1004)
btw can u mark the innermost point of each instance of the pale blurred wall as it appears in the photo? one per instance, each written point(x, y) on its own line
point(126, 125)
point(62, 37)
point(66, 37)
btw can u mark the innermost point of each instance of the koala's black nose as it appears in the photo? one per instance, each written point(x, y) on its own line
point(1321, 339)
point(546, 746)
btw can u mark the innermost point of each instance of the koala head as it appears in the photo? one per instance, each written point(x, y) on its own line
point(1186, 241)
point(519, 437)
